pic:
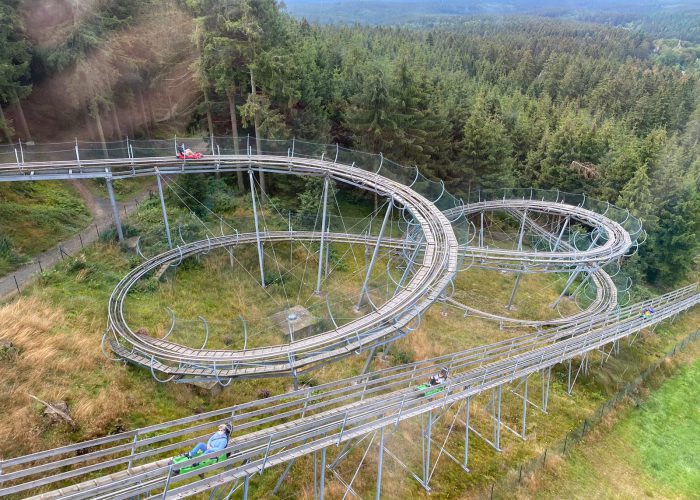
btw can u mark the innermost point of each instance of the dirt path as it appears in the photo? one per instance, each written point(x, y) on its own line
point(102, 221)
point(98, 207)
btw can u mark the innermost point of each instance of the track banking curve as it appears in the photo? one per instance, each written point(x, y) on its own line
point(281, 428)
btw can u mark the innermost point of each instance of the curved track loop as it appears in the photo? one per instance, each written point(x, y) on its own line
point(437, 266)
point(175, 359)
point(617, 240)
point(604, 302)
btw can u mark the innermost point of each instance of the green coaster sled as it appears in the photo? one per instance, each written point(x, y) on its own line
point(198, 465)
point(430, 389)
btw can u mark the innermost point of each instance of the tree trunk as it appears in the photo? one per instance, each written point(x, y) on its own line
point(115, 121)
point(133, 116)
point(89, 128)
point(4, 125)
point(100, 130)
point(234, 131)
point(151, 113)
point(142, 105)
point(258, 146)
point(210, 122)
point(22, 119)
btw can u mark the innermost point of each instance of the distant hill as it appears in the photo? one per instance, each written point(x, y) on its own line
point(681, 18)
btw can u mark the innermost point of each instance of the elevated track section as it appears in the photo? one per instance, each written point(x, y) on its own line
point(441, 236)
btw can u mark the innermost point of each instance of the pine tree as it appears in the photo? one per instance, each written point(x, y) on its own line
point(486, 152)
point(15, 56)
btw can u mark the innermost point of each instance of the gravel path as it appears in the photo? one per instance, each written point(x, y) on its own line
point(102, 221)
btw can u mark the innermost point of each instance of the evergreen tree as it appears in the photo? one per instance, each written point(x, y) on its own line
point(486, 152)
point(15, 57)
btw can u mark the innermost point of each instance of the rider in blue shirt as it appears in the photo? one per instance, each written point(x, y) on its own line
point(217, 442)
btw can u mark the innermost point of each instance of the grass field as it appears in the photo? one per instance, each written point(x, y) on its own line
point(652, 450)
point(34, 216)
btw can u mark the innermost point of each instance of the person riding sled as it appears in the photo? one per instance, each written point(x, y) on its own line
point(216, 443)
point(183, 152)
point(439, 378)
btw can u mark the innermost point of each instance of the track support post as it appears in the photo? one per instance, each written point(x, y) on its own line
point(115, 210)
point(466, 433)
point(321, 256)
point(261, 258)
point(524, 427)
point(497, 417)
point(363, 291)
point(165, 213)
point(380, 461)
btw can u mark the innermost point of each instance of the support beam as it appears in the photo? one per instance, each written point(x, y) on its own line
point(527, 379)
point(409, 266)
point(162, 206)
point(323, 473)
point(115, 210)
point(321, 255)
point(427, 435)
point(569, 282)
point(246, 485)
point(466, 433)
point(379, 465)
point(284, 475)
point(370, 356)
point(497, 415)
point(515, 289)
point(522, 231)
point(545, 392)
point(481, 231)
point(561, 233)
point(257, 229)
point(315, 475)
point(363, 291)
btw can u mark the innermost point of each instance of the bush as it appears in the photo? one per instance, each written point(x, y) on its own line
point(401, 356)
point(110, 234)
point(308, 380)
point(8, 351)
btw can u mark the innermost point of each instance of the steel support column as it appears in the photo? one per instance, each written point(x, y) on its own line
point(481, 230)
point(363, 291)
point(323, 474)
point(545, 391)
point(522, 231)
point(246, 485)
point(162, 206)
point(466, 433)
point(321, 255)
point(527, 379)
point(515, 289)
point(497, 417)
point(115, 210)
point(379, 465)
point(561, 233)
point(566, 287)
point(520, 274)
point(427, 439)
point(257, 229)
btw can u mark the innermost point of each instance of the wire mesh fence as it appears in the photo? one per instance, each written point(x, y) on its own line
point(506, 487)
point(17, 281)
